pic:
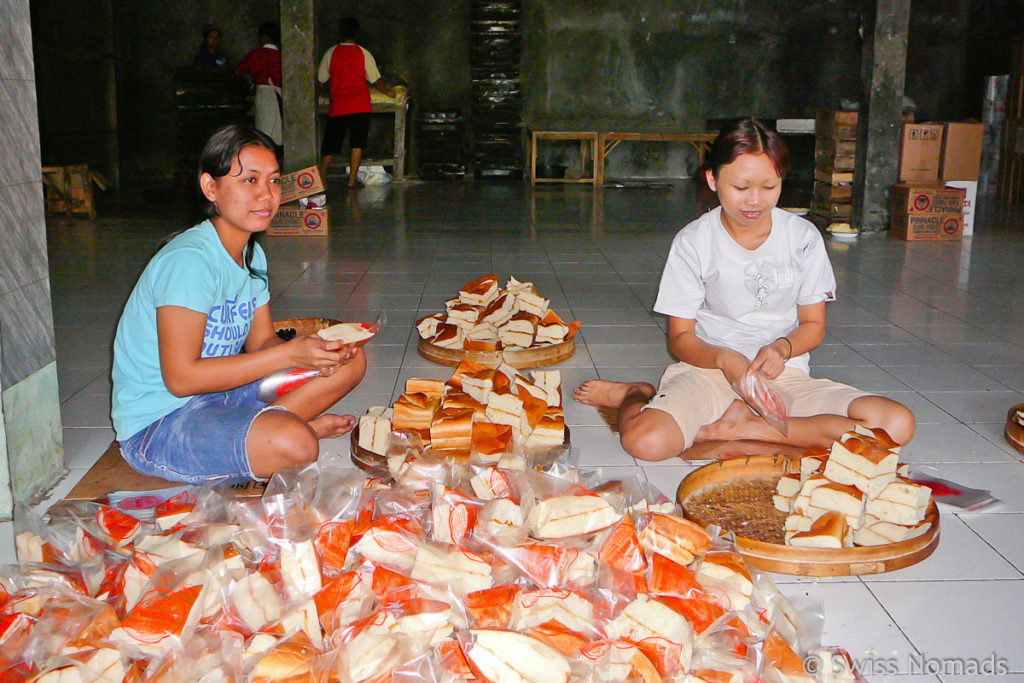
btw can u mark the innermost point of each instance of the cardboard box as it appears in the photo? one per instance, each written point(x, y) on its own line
point(927, 226)
point(301, 183)
point(925, 198)
point(295, 221)
point(920, 152)
point(970, 188)
point(961, 151)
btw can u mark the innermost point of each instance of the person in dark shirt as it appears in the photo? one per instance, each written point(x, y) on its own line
point(210, 56)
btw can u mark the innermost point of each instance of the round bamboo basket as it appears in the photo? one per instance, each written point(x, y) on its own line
point(303, 326)
point(518, 358)
point(1014, 432)
point(785, 559)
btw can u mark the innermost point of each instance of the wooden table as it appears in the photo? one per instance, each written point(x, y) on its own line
point(701, 142)
point(588, 153)
point(399, 108)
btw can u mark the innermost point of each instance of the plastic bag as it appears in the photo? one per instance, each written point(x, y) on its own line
point(753, 388)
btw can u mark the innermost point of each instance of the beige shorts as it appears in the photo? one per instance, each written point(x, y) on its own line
point(695, 397)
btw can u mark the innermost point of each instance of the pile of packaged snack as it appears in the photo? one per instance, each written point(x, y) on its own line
point(534, 570)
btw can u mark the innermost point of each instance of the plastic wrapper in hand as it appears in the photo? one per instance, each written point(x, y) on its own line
point(754, 389)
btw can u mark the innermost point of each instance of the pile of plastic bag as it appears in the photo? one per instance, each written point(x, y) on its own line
point(524, 568)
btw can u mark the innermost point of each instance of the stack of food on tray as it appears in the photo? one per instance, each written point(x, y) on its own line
point(854, 493)
point(503, 574)
point(485, 317)
point(487, 411)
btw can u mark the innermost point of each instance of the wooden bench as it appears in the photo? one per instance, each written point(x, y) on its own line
point(701, 142)
point(588, 153)
point(112, 473)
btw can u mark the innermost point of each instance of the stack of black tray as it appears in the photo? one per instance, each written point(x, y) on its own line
point(496, 43)
point(439, 141)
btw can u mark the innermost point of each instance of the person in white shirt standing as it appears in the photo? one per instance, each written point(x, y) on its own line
point(744, 289)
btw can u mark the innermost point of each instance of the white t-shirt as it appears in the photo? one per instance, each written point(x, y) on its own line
point(743, 299)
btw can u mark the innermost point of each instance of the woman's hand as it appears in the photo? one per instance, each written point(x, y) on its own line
point(733, 365)
point(313, 353)
point(771, 359)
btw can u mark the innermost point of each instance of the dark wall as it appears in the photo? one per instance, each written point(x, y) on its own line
point(597, 64)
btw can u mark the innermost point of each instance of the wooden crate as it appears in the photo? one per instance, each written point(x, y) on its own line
point(831, 177)
point(69, 190)
point(831, 210)
point(839, 192)
point(837, 125)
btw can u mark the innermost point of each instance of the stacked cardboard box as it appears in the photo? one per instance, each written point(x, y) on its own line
point(961, 163)
point(294, 219)
point(835, 150)
point(926, 211)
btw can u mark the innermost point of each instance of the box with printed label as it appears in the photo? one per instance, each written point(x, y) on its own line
point(926, 198)
point(970, 188)
point(961, 151)
point(294, 221)
point(928, 226)
point(301, 183)
point(920, 152)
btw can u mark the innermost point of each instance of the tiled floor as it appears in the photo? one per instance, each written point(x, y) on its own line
point(936, 326)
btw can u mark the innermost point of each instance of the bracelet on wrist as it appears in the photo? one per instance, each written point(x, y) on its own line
point(788, 343)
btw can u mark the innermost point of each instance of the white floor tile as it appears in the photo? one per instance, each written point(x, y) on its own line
point(84, 445)
point(976, 406)
point(855, 620)
point(925, 378)
point(1002, 532)
point(84, 410)
point(951, 443)
point(959, 620)
point(961, 555)
point(666, 476)
point(598, 446)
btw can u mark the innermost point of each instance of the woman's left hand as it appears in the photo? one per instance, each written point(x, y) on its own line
point(769, 360)
point(348, 352)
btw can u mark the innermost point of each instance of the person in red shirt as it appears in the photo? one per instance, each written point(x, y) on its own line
point(349, 69)
point(263, 65)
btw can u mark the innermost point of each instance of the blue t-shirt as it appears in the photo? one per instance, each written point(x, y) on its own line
point(193, 271)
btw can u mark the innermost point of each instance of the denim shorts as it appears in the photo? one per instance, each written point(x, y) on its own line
point(204, 440)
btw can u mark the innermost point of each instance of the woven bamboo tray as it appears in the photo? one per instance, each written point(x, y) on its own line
point(303, 326)
point(740, 476)
point(377, 465)
point(1014, 433)
point(517, 358)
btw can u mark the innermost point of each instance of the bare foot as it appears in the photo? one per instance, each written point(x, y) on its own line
point(739, 422)
point(331, 426)
point(602, 393)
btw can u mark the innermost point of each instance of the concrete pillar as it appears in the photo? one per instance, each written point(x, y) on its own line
point(31, 446)
point(883, 67)
point(298, 74)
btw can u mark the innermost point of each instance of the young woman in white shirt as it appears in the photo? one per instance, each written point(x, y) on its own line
point(744, 289)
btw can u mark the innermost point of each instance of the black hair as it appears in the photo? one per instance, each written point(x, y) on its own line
point(747, 136)
point(348, 28)
point(219, 152)
point(270, 30)
point(207, 30)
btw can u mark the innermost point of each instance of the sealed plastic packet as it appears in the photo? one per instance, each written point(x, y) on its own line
point(754, 389)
